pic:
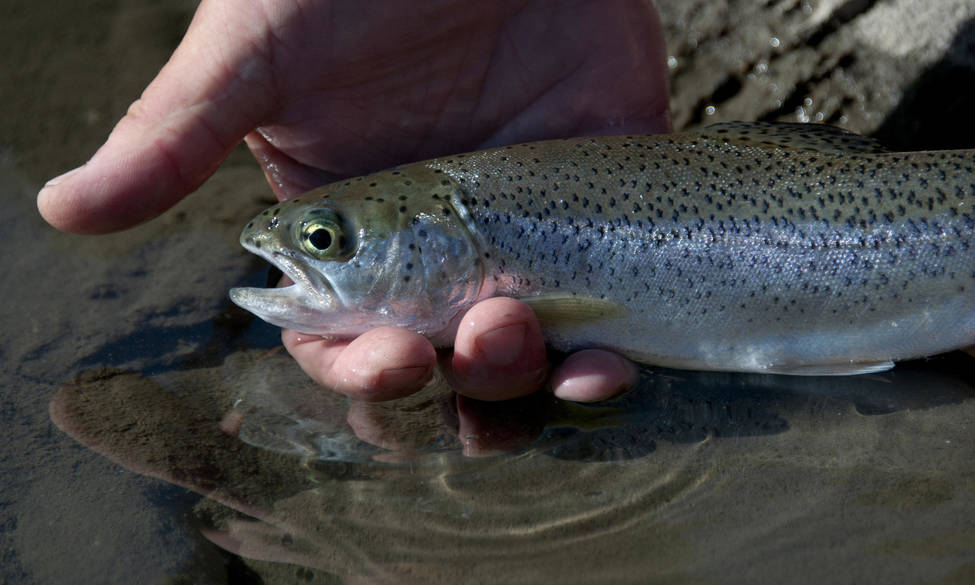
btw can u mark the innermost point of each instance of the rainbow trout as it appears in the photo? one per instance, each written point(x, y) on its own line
point(796, 249)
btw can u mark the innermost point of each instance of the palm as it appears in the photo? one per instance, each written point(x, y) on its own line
point(414, 83)
point(341, 87)
point(322, 89)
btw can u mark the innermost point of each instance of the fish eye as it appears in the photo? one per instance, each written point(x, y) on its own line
point(321, 238)
point(323, 235)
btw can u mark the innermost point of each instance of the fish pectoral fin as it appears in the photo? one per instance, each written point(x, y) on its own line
point(561, 309)
point(819, 137)
point(840, 369)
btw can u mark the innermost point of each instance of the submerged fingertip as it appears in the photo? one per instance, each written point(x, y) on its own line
point(592, 376)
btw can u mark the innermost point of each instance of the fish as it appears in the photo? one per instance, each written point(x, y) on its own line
point(745, 247)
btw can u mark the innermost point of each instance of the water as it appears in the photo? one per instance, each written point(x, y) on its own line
point(691, 477)
point(192, 450)
point(201, 437)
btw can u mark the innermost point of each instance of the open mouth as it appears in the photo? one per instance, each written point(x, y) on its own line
point(274, 276)
point(300, 305)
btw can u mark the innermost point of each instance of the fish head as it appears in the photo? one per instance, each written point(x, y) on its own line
point(390, 249)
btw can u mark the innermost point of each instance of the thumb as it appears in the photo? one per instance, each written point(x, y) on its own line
point(212, 92)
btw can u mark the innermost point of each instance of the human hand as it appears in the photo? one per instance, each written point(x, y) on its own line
point(498, 354)
point(323, 90)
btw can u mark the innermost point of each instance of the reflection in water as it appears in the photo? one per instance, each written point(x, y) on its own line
point(686, 477)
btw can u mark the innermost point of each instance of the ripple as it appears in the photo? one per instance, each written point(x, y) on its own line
point(690, 477)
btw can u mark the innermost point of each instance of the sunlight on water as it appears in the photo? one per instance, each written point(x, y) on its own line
point(151, 433)
point(686, 474)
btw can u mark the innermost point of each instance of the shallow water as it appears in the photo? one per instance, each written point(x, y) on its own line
point(183, 431)
point(691, 477)
point(201, 436)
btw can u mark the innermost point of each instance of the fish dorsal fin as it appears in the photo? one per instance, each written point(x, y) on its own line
point(819, 137)
point(553, 310)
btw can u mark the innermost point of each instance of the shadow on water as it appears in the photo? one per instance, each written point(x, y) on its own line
point(306, 485)
point(937, 111)
point(691, 477)
point(153, 348)
point(684, 406)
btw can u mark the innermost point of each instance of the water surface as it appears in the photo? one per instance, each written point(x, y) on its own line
point(192, 450)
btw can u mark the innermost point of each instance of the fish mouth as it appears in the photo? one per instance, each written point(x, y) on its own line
point(301, 305)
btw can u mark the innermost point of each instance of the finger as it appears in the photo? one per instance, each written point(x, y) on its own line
point(288, 178)
point(383, 426)
point(499, 352)
point(592, 375)
point(381, 364)
point(492, 428)
point(214, 89)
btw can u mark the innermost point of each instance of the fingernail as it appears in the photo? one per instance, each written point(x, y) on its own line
point(503, 345)
point(401, 377)
point(608, 376)
point(62, 177)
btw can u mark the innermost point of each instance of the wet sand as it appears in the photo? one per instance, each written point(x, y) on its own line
point(820, 487)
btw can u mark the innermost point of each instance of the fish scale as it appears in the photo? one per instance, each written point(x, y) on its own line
point(746, 247)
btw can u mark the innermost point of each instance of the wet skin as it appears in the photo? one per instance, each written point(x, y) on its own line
point(315, 103)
